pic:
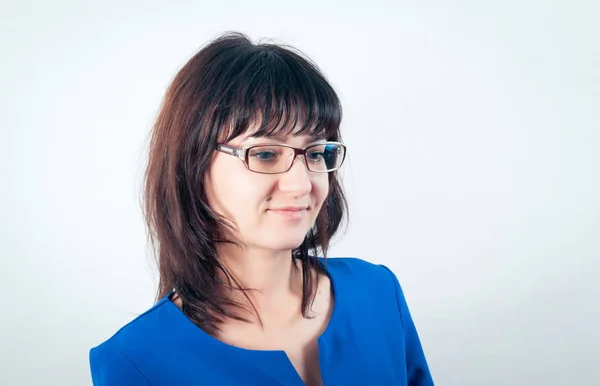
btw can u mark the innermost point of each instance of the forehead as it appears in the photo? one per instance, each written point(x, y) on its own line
point(297, 134)
point(299, 140)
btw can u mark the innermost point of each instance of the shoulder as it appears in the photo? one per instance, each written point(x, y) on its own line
point(139, 329)
point(110, 366)
point(362, 279)
point(367, 293)
point(124, 355)
point(358, 270)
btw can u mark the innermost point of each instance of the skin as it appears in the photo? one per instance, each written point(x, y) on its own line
point(251, 202)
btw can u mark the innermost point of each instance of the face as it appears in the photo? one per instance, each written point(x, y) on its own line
point(268, 211)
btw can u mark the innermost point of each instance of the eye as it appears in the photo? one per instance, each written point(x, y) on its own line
point(264, 155)
point(315, 155)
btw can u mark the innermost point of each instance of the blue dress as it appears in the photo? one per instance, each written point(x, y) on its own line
point(370, 340)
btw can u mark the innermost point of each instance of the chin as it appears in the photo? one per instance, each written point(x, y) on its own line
point(285, 242)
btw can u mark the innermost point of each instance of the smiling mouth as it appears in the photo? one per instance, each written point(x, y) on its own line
point(290, 212)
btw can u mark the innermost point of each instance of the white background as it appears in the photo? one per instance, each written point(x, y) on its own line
point(473, 137)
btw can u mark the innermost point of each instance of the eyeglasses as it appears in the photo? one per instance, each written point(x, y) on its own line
point(272, 159)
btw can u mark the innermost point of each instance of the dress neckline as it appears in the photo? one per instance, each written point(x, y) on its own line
point(335, 294)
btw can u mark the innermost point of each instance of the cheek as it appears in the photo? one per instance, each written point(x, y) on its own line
point(320, 187)
point(234, 192)
point(225, 185)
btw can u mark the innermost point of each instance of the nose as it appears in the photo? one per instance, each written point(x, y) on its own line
point(297, 179)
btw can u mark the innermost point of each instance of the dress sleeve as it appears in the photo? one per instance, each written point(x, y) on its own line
point(110, 367)
point(416, 365)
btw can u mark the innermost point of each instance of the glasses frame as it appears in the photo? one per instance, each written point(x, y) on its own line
point(242, 154)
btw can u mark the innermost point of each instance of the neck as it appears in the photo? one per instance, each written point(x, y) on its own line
point(272, 277)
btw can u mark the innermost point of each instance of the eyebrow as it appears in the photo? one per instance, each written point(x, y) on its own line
point(276, 136)
point(282, 138)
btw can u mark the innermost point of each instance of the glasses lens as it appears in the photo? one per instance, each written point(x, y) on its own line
point(269, 159)
point(325, 157)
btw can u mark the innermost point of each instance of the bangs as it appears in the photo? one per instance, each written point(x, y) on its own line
point(275, 93)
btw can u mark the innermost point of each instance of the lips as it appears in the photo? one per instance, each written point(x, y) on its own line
point(290, 208)
point(290, 211)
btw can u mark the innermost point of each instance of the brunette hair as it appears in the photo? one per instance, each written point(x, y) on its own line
point(228, 85)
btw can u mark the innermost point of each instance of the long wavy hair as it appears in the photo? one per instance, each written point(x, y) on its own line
point(226, 87)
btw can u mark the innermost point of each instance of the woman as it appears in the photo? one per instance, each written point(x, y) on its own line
point(241, 192)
